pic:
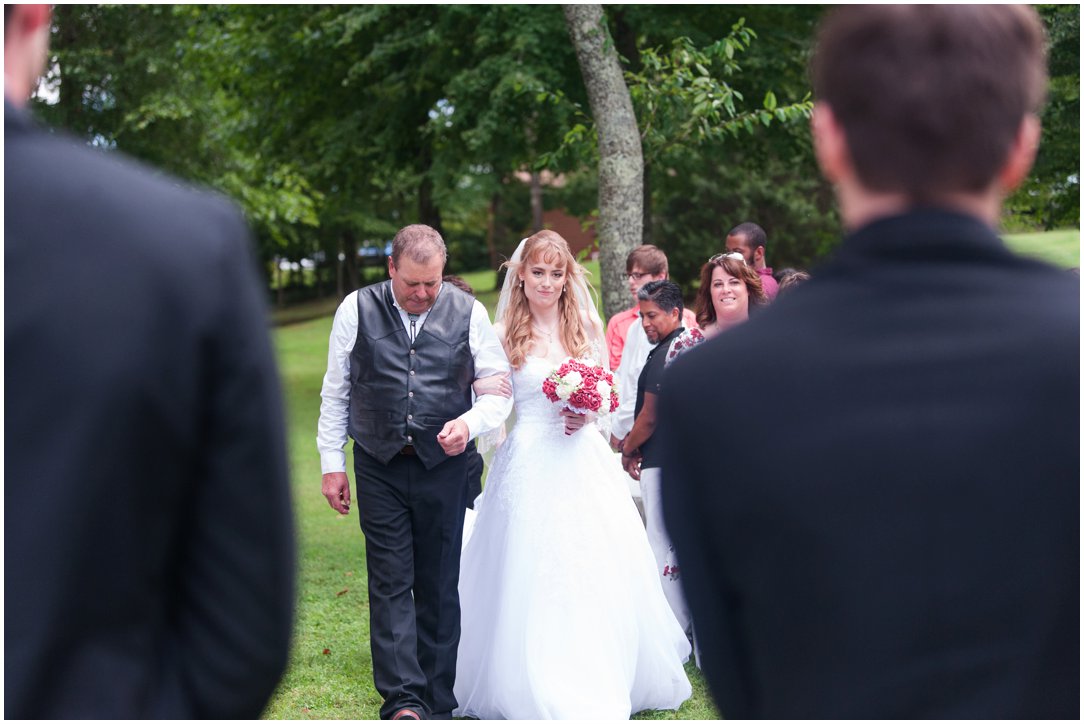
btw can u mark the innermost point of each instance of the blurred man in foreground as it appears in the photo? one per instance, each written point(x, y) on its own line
point(877, 515)
point(148, 535)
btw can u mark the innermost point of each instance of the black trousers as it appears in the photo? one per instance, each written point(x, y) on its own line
point(475, 468)
point(412, 519)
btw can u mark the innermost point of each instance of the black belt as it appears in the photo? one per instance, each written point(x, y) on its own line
point(407, 450)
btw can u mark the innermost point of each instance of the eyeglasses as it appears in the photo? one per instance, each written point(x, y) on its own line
point(637, 276)
point(727, 255)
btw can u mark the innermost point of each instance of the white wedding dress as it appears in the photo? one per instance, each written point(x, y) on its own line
point(563, 614)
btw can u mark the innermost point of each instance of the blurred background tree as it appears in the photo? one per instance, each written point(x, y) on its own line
point(1050, 199)
point(332, 126)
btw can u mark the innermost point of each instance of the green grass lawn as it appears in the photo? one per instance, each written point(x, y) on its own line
point(1060, 248)
point(329, 675)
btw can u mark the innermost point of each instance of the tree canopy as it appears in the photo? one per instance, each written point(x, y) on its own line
point(332, 126)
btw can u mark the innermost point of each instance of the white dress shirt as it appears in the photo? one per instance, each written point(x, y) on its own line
point(633, 358)
point(488, 411)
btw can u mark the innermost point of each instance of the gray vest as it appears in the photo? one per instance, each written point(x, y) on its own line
point(402, 394)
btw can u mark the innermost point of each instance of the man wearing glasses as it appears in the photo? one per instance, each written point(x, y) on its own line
point(646, 263)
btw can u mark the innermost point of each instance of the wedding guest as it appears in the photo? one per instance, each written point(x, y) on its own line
point(402, 356)
point(646, 263)
point(148, 532)
point(729, 289)
point(903, 542)
point(792, 278)
point(661, 309)
point(749, 240)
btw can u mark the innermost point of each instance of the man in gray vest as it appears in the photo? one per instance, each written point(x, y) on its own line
point(403, 355)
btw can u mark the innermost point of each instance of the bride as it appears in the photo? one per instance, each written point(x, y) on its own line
point(563, 615)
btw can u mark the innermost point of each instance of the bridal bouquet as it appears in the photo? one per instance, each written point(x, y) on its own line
point(581, 387)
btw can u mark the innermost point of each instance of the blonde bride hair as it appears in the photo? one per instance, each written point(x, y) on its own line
point(547, 247)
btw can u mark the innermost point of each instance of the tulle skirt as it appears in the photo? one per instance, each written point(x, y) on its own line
point(562, 607)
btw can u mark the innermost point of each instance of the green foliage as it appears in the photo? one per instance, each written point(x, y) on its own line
point(145, 80)
point(710, 193)
point(1050, 197)
point(704, 188)
point(334, 125)
point(682, 97)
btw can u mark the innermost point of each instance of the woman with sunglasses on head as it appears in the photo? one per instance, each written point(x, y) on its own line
point(729, 289)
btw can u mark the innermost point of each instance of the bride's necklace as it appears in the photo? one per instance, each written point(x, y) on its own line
point(549, 334)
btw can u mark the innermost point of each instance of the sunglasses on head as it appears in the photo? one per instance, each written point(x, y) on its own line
point(727, 255)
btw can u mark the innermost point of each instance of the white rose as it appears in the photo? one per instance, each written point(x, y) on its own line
point(563, 392)
point(573, 380)
point(603, 390)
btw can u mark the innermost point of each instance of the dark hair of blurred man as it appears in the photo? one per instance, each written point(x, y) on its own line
point(879, 516)
point(148, 535)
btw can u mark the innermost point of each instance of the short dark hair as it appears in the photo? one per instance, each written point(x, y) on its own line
point(664, 293)
point(930, 97)
point(649, 258)
point(752, 233)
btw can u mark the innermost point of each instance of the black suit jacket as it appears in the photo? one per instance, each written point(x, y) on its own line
point(148, 531)
point(873, 486)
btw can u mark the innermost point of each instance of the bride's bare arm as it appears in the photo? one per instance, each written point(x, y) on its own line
point(493, 385)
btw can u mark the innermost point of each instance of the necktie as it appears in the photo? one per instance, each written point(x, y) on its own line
point(413, 327)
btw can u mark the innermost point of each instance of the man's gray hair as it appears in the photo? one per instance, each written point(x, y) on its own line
point(664, 293)
point(420, 243)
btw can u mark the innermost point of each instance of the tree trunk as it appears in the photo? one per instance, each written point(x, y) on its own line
point(281, 298)
point(70, 98)
point(350, 254)
point(621, 161)
point(340, 266)
point(428, 211)
point(625, 41)
point(648, 235)
point(536, 202)
point(491, 230)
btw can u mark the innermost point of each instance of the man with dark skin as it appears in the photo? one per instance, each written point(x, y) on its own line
point(749, 240)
